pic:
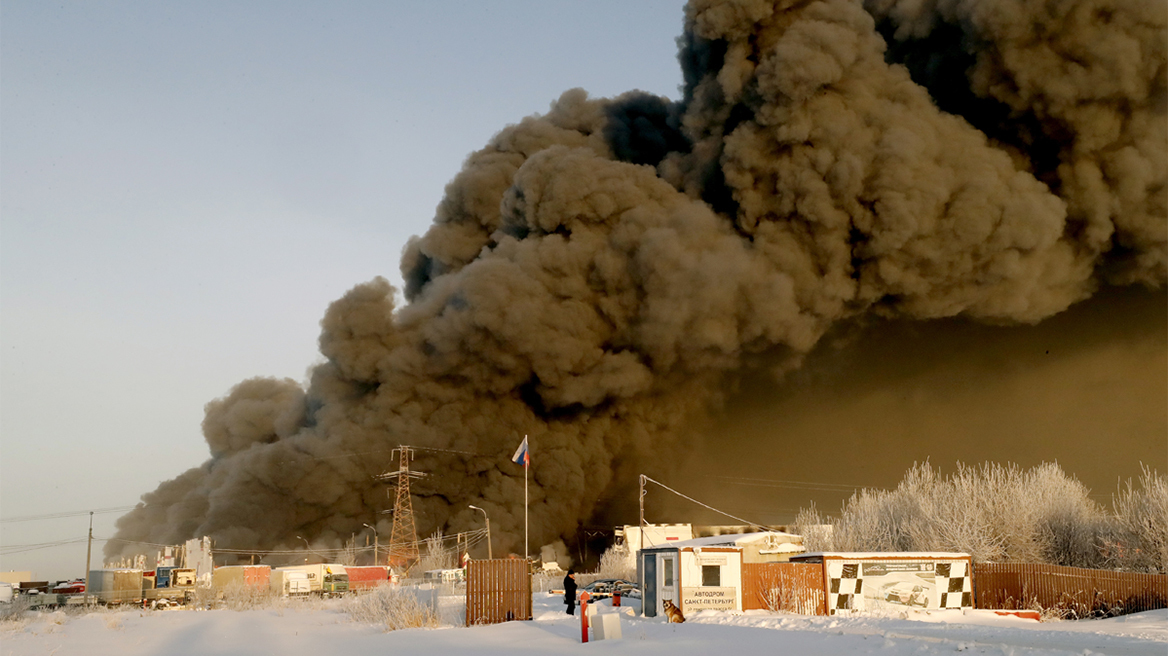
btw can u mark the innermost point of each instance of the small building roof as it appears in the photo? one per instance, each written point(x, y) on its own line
point(731, 540)
point(882, 555)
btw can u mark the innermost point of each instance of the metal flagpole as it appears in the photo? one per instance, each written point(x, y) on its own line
point(526, 466)
point(88, 551)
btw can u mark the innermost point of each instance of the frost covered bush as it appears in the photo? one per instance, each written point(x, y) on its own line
point(545, 581)
point(393, 607)
point(615, 563)
point(13, 611)
point(996, 513)
point(1139, 541)
point(240, 596)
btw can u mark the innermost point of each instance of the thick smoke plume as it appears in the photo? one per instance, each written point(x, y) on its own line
point(596, 276)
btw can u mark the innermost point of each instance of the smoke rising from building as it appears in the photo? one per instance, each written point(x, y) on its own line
point(597, 277)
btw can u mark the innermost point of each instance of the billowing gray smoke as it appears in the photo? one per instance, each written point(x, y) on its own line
point(595, 277)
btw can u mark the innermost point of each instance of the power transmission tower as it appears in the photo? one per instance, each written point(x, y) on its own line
point(403, 539)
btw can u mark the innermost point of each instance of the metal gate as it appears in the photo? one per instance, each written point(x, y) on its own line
point(497, 591)
point(791, 587)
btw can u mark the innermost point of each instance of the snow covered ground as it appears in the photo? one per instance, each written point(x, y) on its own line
point(316, 628)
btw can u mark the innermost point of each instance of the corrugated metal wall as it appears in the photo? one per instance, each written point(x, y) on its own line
point(497, 591)
point(791, 587)
point(1082, 592)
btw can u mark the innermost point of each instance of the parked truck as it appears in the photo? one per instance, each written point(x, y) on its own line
point(171, 586)
point(174, 577)
point(289, 582)
point(328, 579)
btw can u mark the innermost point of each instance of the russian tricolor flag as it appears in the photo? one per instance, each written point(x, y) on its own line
point(522, 457)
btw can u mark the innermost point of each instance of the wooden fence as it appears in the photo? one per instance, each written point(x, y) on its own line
point(791, 587)
point(1076, 591)
point(497, 591)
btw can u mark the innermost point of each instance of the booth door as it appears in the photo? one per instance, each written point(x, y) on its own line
point(649, 604)
point(667, 584)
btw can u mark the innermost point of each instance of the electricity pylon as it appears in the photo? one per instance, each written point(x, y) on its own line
point(403, 539)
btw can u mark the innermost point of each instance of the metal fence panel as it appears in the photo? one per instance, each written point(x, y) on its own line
point(497, 591)
point(790, 587)
point(1078, 591)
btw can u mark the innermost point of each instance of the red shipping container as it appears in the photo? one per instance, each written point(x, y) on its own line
point(252, 576)
point(368, 577)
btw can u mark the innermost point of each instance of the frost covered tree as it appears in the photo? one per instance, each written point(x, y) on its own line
point(1003, 513)
point(1140, 539)
point(815, 529)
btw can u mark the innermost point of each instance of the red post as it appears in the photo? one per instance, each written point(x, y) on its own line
point(584, 597)
point(616, 598)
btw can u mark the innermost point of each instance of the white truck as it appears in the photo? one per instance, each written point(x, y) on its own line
point(289, 582)
point(326, 579)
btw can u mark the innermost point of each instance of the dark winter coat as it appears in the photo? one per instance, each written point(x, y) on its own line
point(569, 590)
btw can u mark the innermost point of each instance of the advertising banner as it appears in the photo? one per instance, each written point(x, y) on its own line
point(900, 584)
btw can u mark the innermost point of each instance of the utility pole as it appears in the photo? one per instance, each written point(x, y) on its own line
point(641, 501)
point(403, 538)
point(374, 529)
point(88, 552)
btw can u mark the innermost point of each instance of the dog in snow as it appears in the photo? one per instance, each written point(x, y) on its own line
point(672, 611)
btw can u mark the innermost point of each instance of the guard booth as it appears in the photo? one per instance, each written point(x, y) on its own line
point(894, 580)
point(702, 573)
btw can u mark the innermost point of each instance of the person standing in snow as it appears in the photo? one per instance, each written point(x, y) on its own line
point(570, 592)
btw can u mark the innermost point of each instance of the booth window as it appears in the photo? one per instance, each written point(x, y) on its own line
point(667, 571)
point(712, 576)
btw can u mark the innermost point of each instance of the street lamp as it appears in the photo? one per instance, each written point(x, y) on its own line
point(307, 548)
point(374, 541)
point(490, 551)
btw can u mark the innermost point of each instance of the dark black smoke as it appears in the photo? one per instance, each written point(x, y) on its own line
point(596, 277)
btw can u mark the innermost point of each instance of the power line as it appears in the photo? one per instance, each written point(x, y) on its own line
point(355, 454)
point(795, 485)
point(8, 550)
point(706, 506)
point(62, 515)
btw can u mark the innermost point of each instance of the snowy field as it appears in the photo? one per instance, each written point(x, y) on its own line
point(324, 628)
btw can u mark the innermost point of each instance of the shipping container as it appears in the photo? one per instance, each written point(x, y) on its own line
point(366, 578)
point(254, 576)
point(116, 586)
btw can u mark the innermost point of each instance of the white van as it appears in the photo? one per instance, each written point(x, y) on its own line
point(6, 593)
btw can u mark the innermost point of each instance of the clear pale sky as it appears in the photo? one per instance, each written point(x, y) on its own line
point(184, 187)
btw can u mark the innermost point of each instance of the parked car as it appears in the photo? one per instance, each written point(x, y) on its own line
point(602, 588)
